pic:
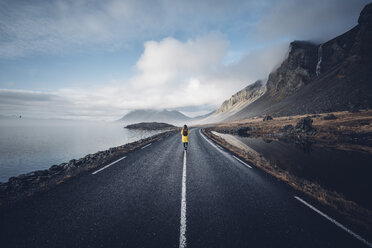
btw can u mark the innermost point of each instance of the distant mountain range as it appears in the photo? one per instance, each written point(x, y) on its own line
point(167, 116)
point(314, 78)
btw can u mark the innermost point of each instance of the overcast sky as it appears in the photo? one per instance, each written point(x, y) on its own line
point(100, 59)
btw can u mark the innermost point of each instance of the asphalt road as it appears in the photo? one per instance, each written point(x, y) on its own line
point(137, 202)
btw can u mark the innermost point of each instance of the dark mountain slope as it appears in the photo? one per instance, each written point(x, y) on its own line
point(333, 76)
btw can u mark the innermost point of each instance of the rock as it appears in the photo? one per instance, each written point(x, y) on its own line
point(295, 72)
point(366, 15)
point(364, 123)
point(286, 128)
point(267, 118)
point(72, 161)
point(247, 95)
point(243, 131)
point(354, 109)
point(79, 162)
point(305, 125)
point(321, 78)
point(3, 187)
point(56, 167)
point(329, 117)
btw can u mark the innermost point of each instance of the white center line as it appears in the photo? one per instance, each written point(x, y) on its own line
point(108, 165)
point(146, 146)
point(250, 167)
point(334, 222)
point(183, 205)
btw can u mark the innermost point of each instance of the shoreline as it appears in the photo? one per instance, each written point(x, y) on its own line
point(341, 130)
point(25, 185)
point(350, 210)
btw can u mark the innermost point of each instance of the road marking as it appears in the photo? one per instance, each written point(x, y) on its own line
point(159, 139)
point(219, 147)
point(222, 151)
point(215, 146)
point(334, 222)
point(146, 146)
point(183, 205)
point(108, 165)
point(250, 167)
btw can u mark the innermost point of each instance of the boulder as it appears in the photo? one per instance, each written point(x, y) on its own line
point(329, 117)
point(305, 125)
point(287, 128)
point(243, 131)
point(267, 118)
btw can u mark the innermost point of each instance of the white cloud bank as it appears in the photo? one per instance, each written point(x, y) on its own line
point(169, 74)
point(318, 20)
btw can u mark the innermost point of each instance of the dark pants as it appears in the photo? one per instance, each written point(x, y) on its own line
point(185, 144)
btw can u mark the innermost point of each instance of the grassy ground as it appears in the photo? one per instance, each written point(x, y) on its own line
point(350, 131)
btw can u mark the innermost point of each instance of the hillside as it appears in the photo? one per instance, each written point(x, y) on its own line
point(317, 78)
point(151, 115)
point(237, 102)
point(167, 116)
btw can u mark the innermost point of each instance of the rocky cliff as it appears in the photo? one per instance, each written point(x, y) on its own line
point(236, 102)
point(295, 72)
point(315, 78)
point(247, 95)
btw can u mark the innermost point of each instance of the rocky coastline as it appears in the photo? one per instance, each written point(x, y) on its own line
point(24, 185)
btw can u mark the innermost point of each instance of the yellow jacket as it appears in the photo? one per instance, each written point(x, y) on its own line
point(185, 139)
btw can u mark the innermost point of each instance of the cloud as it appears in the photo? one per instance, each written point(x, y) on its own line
point(171, 74)
point(169, 60)
point(318, 21)
point(176, 72)
point(60, 27)
point(13, 97)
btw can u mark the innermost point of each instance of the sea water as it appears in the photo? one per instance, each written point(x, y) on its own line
point(28, 145)
point(344, 171)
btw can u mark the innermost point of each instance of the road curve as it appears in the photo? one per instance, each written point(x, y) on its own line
point(137, 202)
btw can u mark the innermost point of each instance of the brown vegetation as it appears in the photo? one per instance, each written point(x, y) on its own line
point(349, 131)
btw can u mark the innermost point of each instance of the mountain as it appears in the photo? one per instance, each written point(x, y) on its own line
point(246, 96)
point(238, 101)
point(151, 115)
point(168, 116)
point(315, 78)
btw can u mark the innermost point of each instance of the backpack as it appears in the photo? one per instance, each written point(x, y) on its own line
point(184, 132)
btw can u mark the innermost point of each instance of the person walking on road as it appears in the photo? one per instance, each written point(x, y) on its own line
point(185, 136)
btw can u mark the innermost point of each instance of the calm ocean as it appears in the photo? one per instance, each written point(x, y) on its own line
point(28, 145)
